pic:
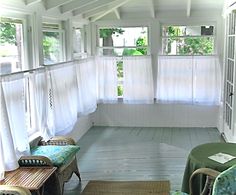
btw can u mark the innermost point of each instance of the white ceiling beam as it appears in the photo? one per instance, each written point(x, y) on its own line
point(49, 4)
point(152, 8)
point(117, 12)
point(188, 8)
point(93, 6)
point(28, 2)
point(75, 4)
point(110, 9)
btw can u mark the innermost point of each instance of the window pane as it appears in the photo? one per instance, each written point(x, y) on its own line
point(11, 48)
point(187, 30)
point(77, 40)
point(52, 51)
point(120, 76)
point(188, 46)
point(119, 37)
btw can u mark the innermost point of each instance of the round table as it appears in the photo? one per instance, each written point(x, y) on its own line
point(198, 158)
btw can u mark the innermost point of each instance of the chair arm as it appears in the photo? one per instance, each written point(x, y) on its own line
point(27, 161)
point(58, 140)
point(211, 175)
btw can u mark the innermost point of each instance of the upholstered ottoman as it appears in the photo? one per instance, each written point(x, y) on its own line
point(59, 152)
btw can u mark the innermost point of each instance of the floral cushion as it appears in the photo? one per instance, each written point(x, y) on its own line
point(225, 183)
point(59, 155)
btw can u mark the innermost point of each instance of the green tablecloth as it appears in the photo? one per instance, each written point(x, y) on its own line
point(198, 158)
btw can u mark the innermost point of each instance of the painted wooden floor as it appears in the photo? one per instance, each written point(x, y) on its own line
point(137, 153)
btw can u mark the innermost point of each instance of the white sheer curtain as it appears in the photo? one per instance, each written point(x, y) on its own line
point(190, 79)
point(86, 78)
point(138, 80)
point(14, 93)
point(8, 157)
point(207, 79)
point(38, 90)
point(106, 79)
point(14, 137)
point(2, 169)
point(174, 79)
point(62, 98)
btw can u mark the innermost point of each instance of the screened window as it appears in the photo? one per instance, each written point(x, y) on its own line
point(53, 44)
point(79, 43)
point(122, 41)
point(12, 44)
point(77, 40)
point(188, 40)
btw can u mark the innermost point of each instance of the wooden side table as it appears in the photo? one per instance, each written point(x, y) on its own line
point(32, 178)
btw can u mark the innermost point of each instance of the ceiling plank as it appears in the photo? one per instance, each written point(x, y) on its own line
point(49, 4)
point(95, 12)
point(111, 8)
point(188, 8)
point(29, 2)
point(93, 6)
point(75, 4)
point(117, 12)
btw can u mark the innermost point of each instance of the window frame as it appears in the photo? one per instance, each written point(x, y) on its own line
point(15, 18)
point(148, 47)
point(55, 27)
point(83, 53)
point(214, 36)
point(120, 81)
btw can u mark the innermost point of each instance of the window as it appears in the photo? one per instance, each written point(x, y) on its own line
point(79, 43)
point(12, 44)
point(77, 40)
point(188, 40)
point(122, 41)
point(53, 44)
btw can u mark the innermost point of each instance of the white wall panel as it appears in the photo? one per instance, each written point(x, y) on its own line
point(156, 115)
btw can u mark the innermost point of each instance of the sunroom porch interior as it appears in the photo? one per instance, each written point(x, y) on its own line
point(153, 73)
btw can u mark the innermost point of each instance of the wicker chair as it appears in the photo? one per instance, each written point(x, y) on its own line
point(13, 190)
point(64, 172)
point(211, 176)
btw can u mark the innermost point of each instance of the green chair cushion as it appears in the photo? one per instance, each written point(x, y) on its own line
point(59, 155)
point(177, 192)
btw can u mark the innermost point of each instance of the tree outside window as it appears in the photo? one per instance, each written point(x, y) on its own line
point(11, 39)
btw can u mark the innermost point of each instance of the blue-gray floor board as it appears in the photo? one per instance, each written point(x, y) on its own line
point(136, 153)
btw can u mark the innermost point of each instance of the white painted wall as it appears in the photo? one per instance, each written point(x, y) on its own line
point(156, 115)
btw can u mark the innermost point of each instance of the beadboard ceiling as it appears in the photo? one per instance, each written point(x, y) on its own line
point(93, 10)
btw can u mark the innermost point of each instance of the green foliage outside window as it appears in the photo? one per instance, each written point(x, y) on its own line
point(51, 47)
point(186, 44)
point(197, 46)
point(7, 33)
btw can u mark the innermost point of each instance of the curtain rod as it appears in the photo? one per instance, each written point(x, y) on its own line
point(22, 72)
point(67, 62)
point(57, 64)
point(42, 67)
